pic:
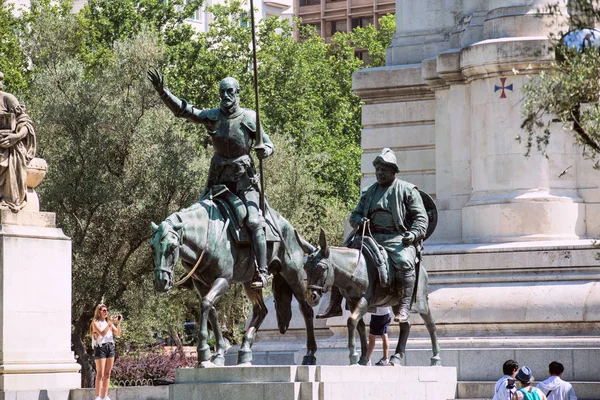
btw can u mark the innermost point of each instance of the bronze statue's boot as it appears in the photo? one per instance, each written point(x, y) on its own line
point(408, 286)
point(261, 277)
point(334, 309)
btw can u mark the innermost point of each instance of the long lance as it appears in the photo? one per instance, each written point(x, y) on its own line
point(259, 139)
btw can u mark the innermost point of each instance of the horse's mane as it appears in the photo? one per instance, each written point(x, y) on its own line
point(184, 214)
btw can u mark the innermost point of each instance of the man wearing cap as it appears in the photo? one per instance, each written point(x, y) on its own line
point(527, 391)
point(397, 219)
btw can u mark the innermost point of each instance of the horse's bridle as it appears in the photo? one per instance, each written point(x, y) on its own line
point(327, 280)
point(178, 236)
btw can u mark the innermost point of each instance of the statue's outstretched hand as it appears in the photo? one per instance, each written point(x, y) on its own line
point(157, 80)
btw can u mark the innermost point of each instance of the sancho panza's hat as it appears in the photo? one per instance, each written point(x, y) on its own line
point(387, 157)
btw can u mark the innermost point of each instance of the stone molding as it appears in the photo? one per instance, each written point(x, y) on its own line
point(385, 84)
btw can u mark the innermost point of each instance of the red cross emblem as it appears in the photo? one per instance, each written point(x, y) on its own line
point(503, 87)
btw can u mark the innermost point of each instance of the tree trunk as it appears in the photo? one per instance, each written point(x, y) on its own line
point(179, 344)
point(87, 372)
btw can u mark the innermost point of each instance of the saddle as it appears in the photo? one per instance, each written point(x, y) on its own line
point(234, 209)
point(376, 257)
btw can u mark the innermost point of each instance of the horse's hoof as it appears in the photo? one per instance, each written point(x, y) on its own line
point(244, 357)
point(354, 359)
point(207, 364)
point(436, 361)
point(218, 360)
point(204, 354)
point(396, 359)
point(363, 361)
point(309, 360)
point(245, 364)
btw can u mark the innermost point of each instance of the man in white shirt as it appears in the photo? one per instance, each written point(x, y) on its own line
point(505, 386)
point(554, 387)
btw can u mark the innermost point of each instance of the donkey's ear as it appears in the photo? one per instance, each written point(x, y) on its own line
point(323, 244)
point(306, 246)
point(154, 226)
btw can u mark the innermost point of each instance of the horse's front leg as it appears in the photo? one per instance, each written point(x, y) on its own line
point(360, 309)
point(362, 334)
point(259, 312)
point(397, 358)
point(221, 346)
point(436, 360)
point(218, 288)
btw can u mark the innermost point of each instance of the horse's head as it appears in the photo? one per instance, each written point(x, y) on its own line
point(318, 268)
point(165, 243)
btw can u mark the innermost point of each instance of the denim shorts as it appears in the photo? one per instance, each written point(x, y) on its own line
point(106, 350)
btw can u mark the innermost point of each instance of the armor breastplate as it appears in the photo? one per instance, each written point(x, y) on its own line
point(231, 137)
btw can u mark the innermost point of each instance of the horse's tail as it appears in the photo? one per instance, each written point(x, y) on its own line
point(282, 294)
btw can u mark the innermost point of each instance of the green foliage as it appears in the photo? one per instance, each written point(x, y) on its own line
point(568, 91)
point(306, 91)
point(374, 40)
point(13, 62)
point(104, 22)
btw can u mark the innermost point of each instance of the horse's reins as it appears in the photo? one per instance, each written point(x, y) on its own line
point(362, 243)
point(184, 279)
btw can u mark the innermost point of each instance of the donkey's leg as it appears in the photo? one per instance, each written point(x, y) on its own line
point(259, 312)
point(436, 360)
point(218, 288)
point(401, 347)
point(295, 282)
point(221, 347)
point(362, 334)
point(360, 309)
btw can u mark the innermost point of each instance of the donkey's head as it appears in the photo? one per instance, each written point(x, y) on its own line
point(165, 242)
point(318, 268)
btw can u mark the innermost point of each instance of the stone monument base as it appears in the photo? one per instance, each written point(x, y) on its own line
point(35, 308)
point(314, 383)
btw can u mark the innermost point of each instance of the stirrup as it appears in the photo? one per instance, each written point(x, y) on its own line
point(259, 281)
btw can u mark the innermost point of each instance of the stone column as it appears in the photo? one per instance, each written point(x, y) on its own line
point(35, 305)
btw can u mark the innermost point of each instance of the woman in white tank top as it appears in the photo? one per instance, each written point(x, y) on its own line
point(103, 330)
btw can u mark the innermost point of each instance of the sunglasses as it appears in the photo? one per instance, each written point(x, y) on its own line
point(104, 310)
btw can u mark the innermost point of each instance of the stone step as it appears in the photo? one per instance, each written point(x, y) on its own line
point(314, 383)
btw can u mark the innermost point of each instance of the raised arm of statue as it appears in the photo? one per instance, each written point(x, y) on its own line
point(179, 107)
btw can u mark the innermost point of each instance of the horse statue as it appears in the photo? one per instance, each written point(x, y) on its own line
point(344, 268)
point(201, 236)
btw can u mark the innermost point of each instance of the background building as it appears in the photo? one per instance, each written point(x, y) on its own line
point(331, 16)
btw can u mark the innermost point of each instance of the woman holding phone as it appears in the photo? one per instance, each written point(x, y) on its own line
point(103, 330)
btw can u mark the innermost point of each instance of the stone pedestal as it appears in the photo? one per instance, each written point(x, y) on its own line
point(314, 383)
point(35, 305)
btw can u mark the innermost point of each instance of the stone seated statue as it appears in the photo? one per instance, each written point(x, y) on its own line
point(20, 171)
